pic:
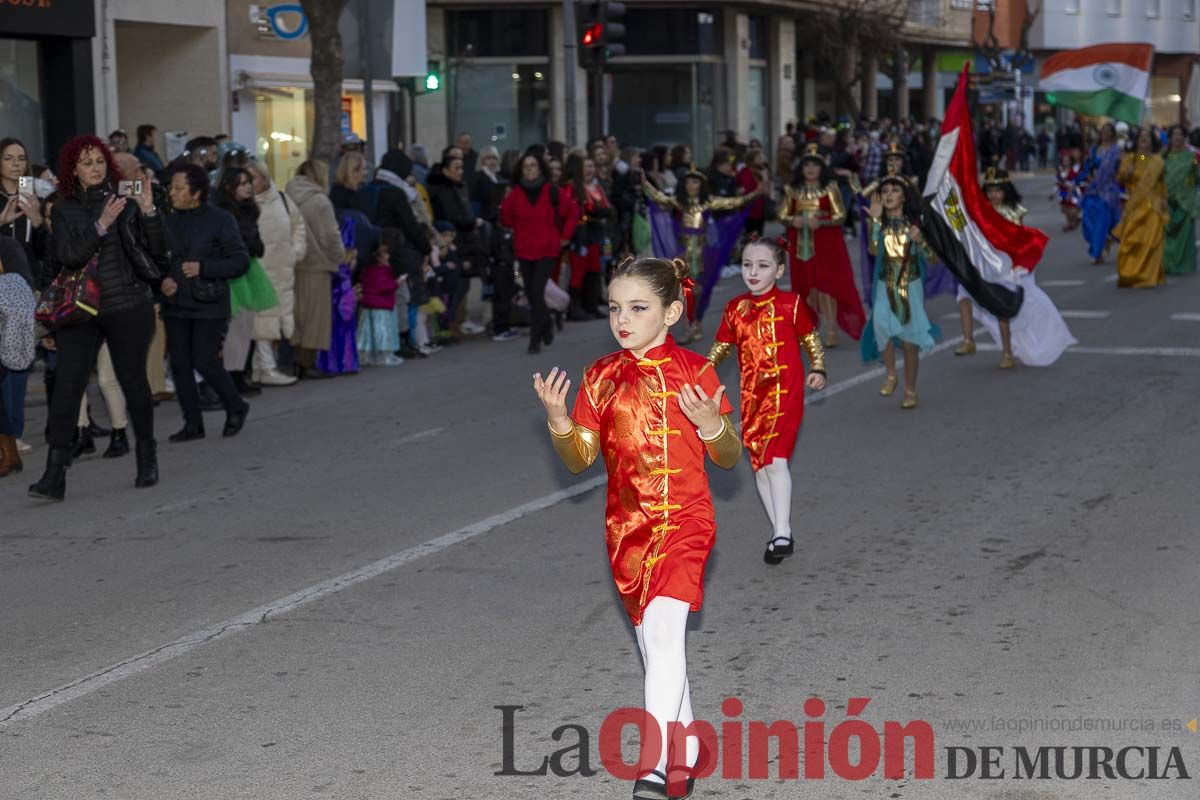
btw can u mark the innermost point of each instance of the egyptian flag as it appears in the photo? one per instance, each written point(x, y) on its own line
point(975, 242)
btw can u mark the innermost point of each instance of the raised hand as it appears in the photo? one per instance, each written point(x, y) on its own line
point(876, 208)
point(112, 209)
point(552, 391)
point(701, 410)
point(12, 210)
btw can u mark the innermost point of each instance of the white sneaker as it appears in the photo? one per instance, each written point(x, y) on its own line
point(23, 448)
point(430, 349)
point(274, 377)
point(390, 360)
point(471, 327)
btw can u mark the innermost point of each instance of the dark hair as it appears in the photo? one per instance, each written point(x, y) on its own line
point(573, 176)
point(509, 162)
point(677, 155)
point(538, 150)
point(663, 276)
point(556, 149)
point(145, 132)
point(68, 158)
point(798, 171)
point(448, 162)
point(912, 201)
point(1155, 139)
point(118, 132)
point(541, 162)
point(196, 177)
point(649, 158)
point(721, 155)
point(1011, 196)
point(681, 194)
point(226, 195)
point(8, 142)
point(778, 249)
point(200, 143)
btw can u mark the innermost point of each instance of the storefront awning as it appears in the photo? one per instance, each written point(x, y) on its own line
point(268, 80)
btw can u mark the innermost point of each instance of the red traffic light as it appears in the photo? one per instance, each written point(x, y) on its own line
point(592, 35)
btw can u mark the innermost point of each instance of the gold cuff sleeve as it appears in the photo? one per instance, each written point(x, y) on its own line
point(577, 449)
point(727, 447)
point(718, 353)
point(730, 203)
point(784, 216)
point(837, 212)
point(666, 201)
point(816, 352)
point(873, 236)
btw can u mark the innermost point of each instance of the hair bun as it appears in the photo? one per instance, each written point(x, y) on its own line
point(682, 270)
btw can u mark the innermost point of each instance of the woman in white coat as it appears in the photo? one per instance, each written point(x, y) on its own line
point(281, 226)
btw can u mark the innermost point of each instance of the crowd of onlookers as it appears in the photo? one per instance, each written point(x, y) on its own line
point(214, 281)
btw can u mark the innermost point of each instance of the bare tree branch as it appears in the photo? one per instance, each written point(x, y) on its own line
point(847, 28)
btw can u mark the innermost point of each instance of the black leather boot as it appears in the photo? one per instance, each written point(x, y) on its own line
point(82, 443)
point(575, 311)
point(53, 485)
point(118, 445)
point(147, 463)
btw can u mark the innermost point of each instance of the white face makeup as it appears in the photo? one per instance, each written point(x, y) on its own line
point(759, 270)
point(636, 315)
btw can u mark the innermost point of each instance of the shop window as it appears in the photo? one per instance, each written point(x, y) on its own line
point(692, 33)
point(284, 118)
point(504, 105)
point(497, 34)
point(756, 89)
point(760, 43)
point(21, 94)
point(1165, 100)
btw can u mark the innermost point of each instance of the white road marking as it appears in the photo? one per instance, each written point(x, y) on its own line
point(419, 436)
point(1111, 278)
point(1058, 283)
point(106, 676)
point(1074, 314)
point(1186, 317)
point(1167, 352)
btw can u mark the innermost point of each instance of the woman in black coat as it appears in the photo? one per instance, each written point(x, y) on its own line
point(209, 252)
point(125, 236)
point(235, 194)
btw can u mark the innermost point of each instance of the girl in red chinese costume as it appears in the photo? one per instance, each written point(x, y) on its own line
point(813, 212)
point(653, 412)
point(769, 326)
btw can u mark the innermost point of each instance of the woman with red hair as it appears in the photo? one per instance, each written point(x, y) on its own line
point(124, 237)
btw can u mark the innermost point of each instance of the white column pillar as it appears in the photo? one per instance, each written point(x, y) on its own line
point(432, 110)
point(929, 83)
point(808, 73)
point(900, 83)
point(737, 72)
point(783, 71)
point(870, 96)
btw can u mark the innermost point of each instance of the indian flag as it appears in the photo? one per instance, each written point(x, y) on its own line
point(1104, 80)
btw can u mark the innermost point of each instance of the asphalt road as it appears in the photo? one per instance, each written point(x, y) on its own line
point(333, 603)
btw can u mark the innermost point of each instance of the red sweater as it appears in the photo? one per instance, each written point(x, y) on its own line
point(536, 234)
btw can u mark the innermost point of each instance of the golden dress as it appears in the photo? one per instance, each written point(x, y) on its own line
point(1142, 229)
point(659, 514)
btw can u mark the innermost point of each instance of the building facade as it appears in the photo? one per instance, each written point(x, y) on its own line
point(690, 72)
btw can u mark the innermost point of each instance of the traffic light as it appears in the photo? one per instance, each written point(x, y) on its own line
point(600, 32)
point(613, 31)
point(432, 81)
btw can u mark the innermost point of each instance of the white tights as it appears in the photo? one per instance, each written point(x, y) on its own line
point(661, 639)
point(774, 483)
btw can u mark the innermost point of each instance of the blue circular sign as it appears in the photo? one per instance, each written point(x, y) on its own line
point(287, 21)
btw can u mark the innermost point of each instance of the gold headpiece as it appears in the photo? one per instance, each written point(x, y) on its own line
point(812, 152)
point(994, 177)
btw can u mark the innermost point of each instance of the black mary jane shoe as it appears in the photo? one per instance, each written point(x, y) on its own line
point(651, 790)
point(775, 553)
point(189, 433)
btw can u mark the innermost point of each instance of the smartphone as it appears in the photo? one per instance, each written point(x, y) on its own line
point(129, 188)
point(25, 184)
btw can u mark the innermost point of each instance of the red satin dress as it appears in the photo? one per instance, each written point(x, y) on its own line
point(659, 517)
point(828, 269)
point(767, 331)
